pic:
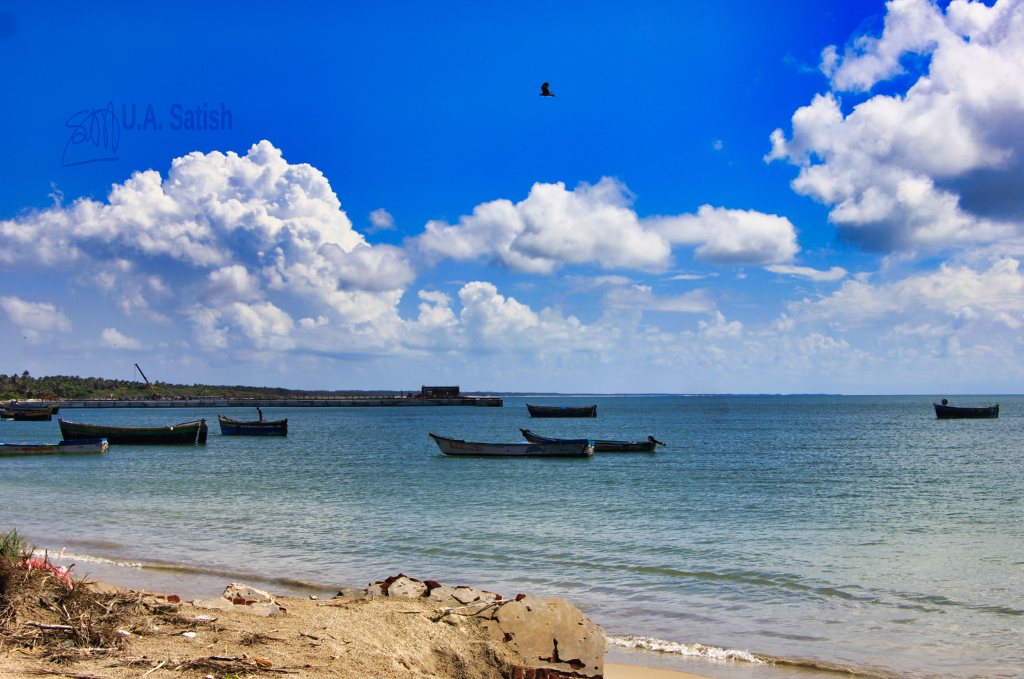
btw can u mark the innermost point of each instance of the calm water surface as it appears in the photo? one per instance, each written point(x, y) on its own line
point(854, 531)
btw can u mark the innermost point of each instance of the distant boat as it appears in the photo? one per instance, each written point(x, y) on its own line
point(183, 433)
point(562, 411)
point(944, 411)
point(566, 448)
point(77, 447)
point(260, 427)
point(26, 414)
point(31, 405)
point(602, 445)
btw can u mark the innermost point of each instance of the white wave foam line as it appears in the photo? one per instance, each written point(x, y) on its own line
point(63, 555)
point(687, 650)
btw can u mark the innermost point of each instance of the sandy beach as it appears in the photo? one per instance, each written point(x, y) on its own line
point(618, 671)
point(351, 636)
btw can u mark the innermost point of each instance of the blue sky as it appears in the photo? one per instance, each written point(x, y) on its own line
point(742, 197)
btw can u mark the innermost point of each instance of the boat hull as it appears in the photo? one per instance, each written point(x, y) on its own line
point(185, 433)
point(568, 448)
point(78, 447)
point(562, 411)
point(229, 427)
point(27, 415)
point(601, 445)
point(31, 405)
point(944, 412)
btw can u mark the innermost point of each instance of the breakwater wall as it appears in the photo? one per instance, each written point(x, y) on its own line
point(354, 402)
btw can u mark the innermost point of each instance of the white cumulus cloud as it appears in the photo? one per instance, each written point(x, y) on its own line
point(264, 234)
point(112, 338)
point(727, 236)
point(938, 165)
point(381, 220)
point(34, 316)
point(596, 224)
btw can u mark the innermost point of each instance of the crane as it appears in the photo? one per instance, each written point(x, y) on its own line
point(152, 389)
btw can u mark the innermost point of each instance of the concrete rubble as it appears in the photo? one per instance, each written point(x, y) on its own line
point(551, 636)
point(243, 597)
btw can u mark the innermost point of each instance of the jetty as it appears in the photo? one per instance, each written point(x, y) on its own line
point(311, 402)
point(427, 396)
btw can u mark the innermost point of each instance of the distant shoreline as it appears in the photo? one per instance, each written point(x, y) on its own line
point(305, 402)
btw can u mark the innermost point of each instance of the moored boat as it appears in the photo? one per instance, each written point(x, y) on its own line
point(566, 448)
point(183, 433)
point(30, 405)
point(79, 446)
point(27, 414)
point(944, 411)
point(602, 445)
point(562, 411)
point(260, 427)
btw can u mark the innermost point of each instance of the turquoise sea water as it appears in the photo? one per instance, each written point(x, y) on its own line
point(858, 532)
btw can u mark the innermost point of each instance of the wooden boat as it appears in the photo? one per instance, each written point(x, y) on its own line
point(31, 405)
point(562, 411)
point(602, 445)
point(183, 433)
point(565, 448)
point(944, 411)
point(26, 414)
point(260, 427)
point(77, 447)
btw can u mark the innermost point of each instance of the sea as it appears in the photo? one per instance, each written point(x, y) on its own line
point(772, 536)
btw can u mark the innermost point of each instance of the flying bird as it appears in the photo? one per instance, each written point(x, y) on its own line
point(545, 92)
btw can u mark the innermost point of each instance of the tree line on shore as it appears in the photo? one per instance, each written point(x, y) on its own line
point(72, 387)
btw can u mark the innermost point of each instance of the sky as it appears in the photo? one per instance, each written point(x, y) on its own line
point(744, 197)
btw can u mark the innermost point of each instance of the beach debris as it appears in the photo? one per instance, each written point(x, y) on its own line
point(39, 611)
point(552, 637)
point(253, 638)
point(406, 587)
point(189, 635)
point(155, 668)
point(238, 596)
point(245, 595)
point(43, 563)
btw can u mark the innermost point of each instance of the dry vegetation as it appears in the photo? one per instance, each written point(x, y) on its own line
point(92, 631)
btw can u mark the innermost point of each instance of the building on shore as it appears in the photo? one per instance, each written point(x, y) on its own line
point(439, 392)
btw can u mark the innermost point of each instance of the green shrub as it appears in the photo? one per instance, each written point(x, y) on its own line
point(13, 547)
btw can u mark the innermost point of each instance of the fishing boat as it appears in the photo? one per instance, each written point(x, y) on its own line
point(562, 411)
point(944, 411)
point(260, 427)
point(565, 448)
point(602, 445)
point(64, 447)
point(183, 433)
point(31, 405)
point(26, 414)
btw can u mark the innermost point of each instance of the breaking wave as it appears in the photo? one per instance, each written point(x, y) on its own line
point(686, 650)
point(717, 654)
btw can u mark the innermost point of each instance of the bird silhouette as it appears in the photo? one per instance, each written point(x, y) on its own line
point(545, 92)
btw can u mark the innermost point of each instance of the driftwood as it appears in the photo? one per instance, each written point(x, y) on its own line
point(65, 628)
